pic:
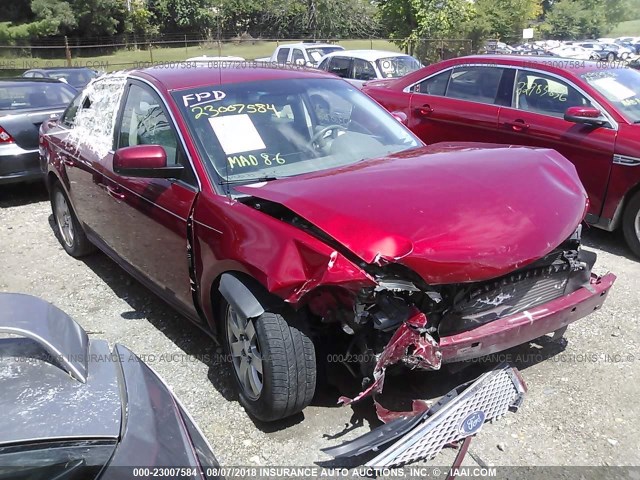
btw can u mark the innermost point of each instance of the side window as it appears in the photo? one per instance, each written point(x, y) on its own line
point(69, 116)
point(38, 75)
point(436, 85)
point(340, 66)
point(94, 119)
point(475, 84)
point(297, 57)
point(28, 75)
point(282, 55)
point(363, 70)
point(540, 93)
point(144, 122)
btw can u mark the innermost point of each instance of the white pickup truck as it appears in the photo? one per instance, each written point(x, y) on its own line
point(308, 54)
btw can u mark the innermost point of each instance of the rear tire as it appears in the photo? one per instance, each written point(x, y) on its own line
point(631, 224)
point(611, 57)
point(273, 363)
point(69, 232)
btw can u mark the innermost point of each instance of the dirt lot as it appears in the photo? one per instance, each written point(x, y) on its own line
point(583, 401)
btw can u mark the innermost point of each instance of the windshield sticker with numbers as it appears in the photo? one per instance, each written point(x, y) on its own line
point(237, 134)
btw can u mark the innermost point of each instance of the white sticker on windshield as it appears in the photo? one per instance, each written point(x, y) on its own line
point(614, 89)
point(236, 134)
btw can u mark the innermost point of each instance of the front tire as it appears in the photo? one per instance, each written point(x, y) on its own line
point(274, 363)
point(68, 229)
point(631, 224)
point(611, 57)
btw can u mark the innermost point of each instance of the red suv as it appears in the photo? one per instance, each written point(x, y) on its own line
point(587, 111)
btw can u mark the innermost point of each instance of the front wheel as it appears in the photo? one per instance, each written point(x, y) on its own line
point(274, 363)
point(631, 224)
point(611, 57)
point(68, 228)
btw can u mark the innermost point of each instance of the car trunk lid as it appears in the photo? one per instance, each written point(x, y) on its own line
point(23, 125)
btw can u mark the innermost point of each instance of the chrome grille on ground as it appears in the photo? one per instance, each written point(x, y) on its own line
point(493, 394)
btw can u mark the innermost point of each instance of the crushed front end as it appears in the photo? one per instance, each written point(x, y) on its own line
point(403, 320)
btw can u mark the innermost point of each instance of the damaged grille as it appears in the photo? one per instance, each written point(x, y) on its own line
point(493, 394)
point(514, 294)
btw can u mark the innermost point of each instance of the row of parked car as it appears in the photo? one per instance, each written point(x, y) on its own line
point(602, 49)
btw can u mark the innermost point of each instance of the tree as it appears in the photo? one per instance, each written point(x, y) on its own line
point(43, 18)
point(575, 19)
point(409, 21)
point(504, 19)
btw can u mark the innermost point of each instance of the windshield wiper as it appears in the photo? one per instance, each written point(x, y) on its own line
point(266, 178)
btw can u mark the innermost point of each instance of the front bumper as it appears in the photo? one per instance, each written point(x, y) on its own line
point(19, 165)
point(513, 330)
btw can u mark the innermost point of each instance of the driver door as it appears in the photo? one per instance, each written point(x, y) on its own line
point(151, 235)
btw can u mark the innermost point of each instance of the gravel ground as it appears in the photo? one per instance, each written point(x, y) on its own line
point(581, 409)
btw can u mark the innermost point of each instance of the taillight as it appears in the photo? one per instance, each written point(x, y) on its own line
point(5, 137)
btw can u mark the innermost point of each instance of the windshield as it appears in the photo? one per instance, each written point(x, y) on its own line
point(393, 67)
point(621, 87)
point(278, 128)
point(24, 95)
point(317, 53)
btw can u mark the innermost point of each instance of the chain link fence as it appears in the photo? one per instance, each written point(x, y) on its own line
point(132, 51)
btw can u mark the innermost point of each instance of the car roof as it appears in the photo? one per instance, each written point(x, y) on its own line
point(180, 79)
point(57, 69)
point(576, 66)
point(30, 80)
point(370, 55)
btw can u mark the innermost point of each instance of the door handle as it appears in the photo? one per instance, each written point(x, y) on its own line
point(114, 192)
point(517, 125)
point(424, 110)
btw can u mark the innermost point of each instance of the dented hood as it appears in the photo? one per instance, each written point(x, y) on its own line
point(452, 213)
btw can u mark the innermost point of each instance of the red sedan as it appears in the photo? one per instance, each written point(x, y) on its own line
point(587, 111)
point(290, 215)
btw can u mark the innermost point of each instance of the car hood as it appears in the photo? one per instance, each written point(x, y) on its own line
point(452, 213)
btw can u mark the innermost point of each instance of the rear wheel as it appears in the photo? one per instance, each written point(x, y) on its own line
point(611, 57)
point(68, 228)
point(631, 224)
point(273, 362)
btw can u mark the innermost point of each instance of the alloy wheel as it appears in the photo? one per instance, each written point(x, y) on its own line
point(63, 219)
point(245, 353)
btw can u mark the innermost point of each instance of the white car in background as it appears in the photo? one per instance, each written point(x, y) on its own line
point(360, 66)
point(573, 51)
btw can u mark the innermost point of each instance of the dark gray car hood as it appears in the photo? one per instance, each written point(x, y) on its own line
point(58, 385)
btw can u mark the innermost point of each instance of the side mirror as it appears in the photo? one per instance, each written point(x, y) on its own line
point(300, 62)
point(148, 161)
point(585, 116)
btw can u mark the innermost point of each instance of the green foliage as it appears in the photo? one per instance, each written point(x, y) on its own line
point(575, 19)
point(98, 17)
point(409, 20)
point(504, 19)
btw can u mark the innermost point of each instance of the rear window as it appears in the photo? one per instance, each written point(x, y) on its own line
point(30, 95)
point(76, 78)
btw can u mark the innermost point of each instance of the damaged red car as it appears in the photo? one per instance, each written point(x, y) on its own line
point(287, 214)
